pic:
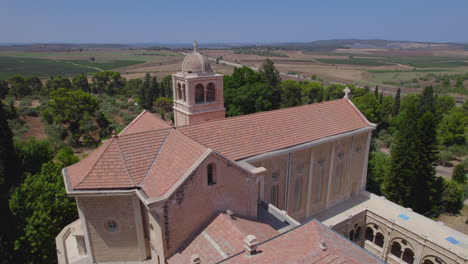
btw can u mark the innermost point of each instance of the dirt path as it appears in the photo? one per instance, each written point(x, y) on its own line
point(456, 222)
point(86, 66)
point(36, 128)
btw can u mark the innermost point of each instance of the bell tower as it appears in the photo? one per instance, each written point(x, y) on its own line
point(198, 91)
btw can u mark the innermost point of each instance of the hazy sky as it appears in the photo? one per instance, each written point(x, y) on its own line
point(179, 21)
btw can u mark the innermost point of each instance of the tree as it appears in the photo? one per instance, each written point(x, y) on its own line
point(452, 127)
point(148, 92)
point(72, 108)
point(43, 208)
point(10, 176)
point(404, 158)
point(458, 174)
point(369, 106)
point(18, 86)
point(33, 153)
point(396, 104)
point(271, 76)
point(164, 103)
point(133, 86)
point(166, 86)
point(312, 92)
point(452, 197)
point(291, 93)
point(3, 89)
point(57, 83)
point(378, 170)
point(250, 98)
point(34, 84)
point(81, 82)
point(376, 91)
point(335, 91)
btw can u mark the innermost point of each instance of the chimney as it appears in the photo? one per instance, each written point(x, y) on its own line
point(230, 213)
point(251, 244)
point(195, 259)
point(323, 245)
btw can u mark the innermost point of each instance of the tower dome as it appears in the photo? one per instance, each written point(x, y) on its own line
point(195, 62)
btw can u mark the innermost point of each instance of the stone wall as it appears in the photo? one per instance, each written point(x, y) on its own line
point(125, 242)
point(195, 203)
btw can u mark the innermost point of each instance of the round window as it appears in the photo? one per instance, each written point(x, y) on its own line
point(112, 226)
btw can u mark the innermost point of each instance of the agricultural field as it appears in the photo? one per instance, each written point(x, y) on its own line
point(46, 64)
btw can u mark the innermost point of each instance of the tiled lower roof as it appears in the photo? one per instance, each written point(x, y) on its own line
point(222, 238)
point(145, 121)
point(222, 242)
point(248, 135)
point(304, 245)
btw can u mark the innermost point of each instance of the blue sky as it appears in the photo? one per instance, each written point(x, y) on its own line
point(180, 21)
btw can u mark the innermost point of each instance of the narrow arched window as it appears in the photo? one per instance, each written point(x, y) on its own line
point(183, 92)
point(199, 94)
point(357, 236)
point(274, 195)
point(369, 234)
point(211, 174)
point(297, 194)
point(179, 92)
point(210, 93)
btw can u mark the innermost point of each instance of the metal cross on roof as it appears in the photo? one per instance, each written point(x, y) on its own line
point(195, 45)
point(346, 92)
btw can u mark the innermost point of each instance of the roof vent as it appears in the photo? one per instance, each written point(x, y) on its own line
point(251, 244)
point(195, 259)
point(230, 213)
point(323, 245)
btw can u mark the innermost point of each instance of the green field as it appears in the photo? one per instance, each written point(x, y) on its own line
point(417, 62)
point(357, 61)
point(260, 53)
point(10, 66)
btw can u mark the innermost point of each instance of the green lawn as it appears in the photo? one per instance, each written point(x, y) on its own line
point(10, 66)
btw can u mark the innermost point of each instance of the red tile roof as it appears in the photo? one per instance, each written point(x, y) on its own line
point(244, 136)
point(145, 121)
point(150, 154)
point(177, 154)
point(224, 235)
point(302, 245)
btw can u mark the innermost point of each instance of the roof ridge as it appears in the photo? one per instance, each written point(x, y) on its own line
point(260, 113)
point(142, 132)
point(124, 161)
point(155, 156)
point(134, 120)
point(361, 115)
point(97, 160)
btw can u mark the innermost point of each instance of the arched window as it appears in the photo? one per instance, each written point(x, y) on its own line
point(369, 234)
point(297, 194)
point(357, 236)
point(274, 195)
point(396, 249)
point(379, 239)
point(179, 92)
point(211, 174)
point(432, 260)
point(408, 256)
point(199, 94)
point(351, 235)
point(210, 93)
point(183, 93)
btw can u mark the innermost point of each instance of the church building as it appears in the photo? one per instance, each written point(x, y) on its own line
point(282, 186)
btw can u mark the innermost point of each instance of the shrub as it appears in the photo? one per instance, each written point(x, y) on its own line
point(444, 157)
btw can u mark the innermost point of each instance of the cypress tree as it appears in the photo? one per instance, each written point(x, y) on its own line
point(396, 104)
point(376, 91)
point(398, 184)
